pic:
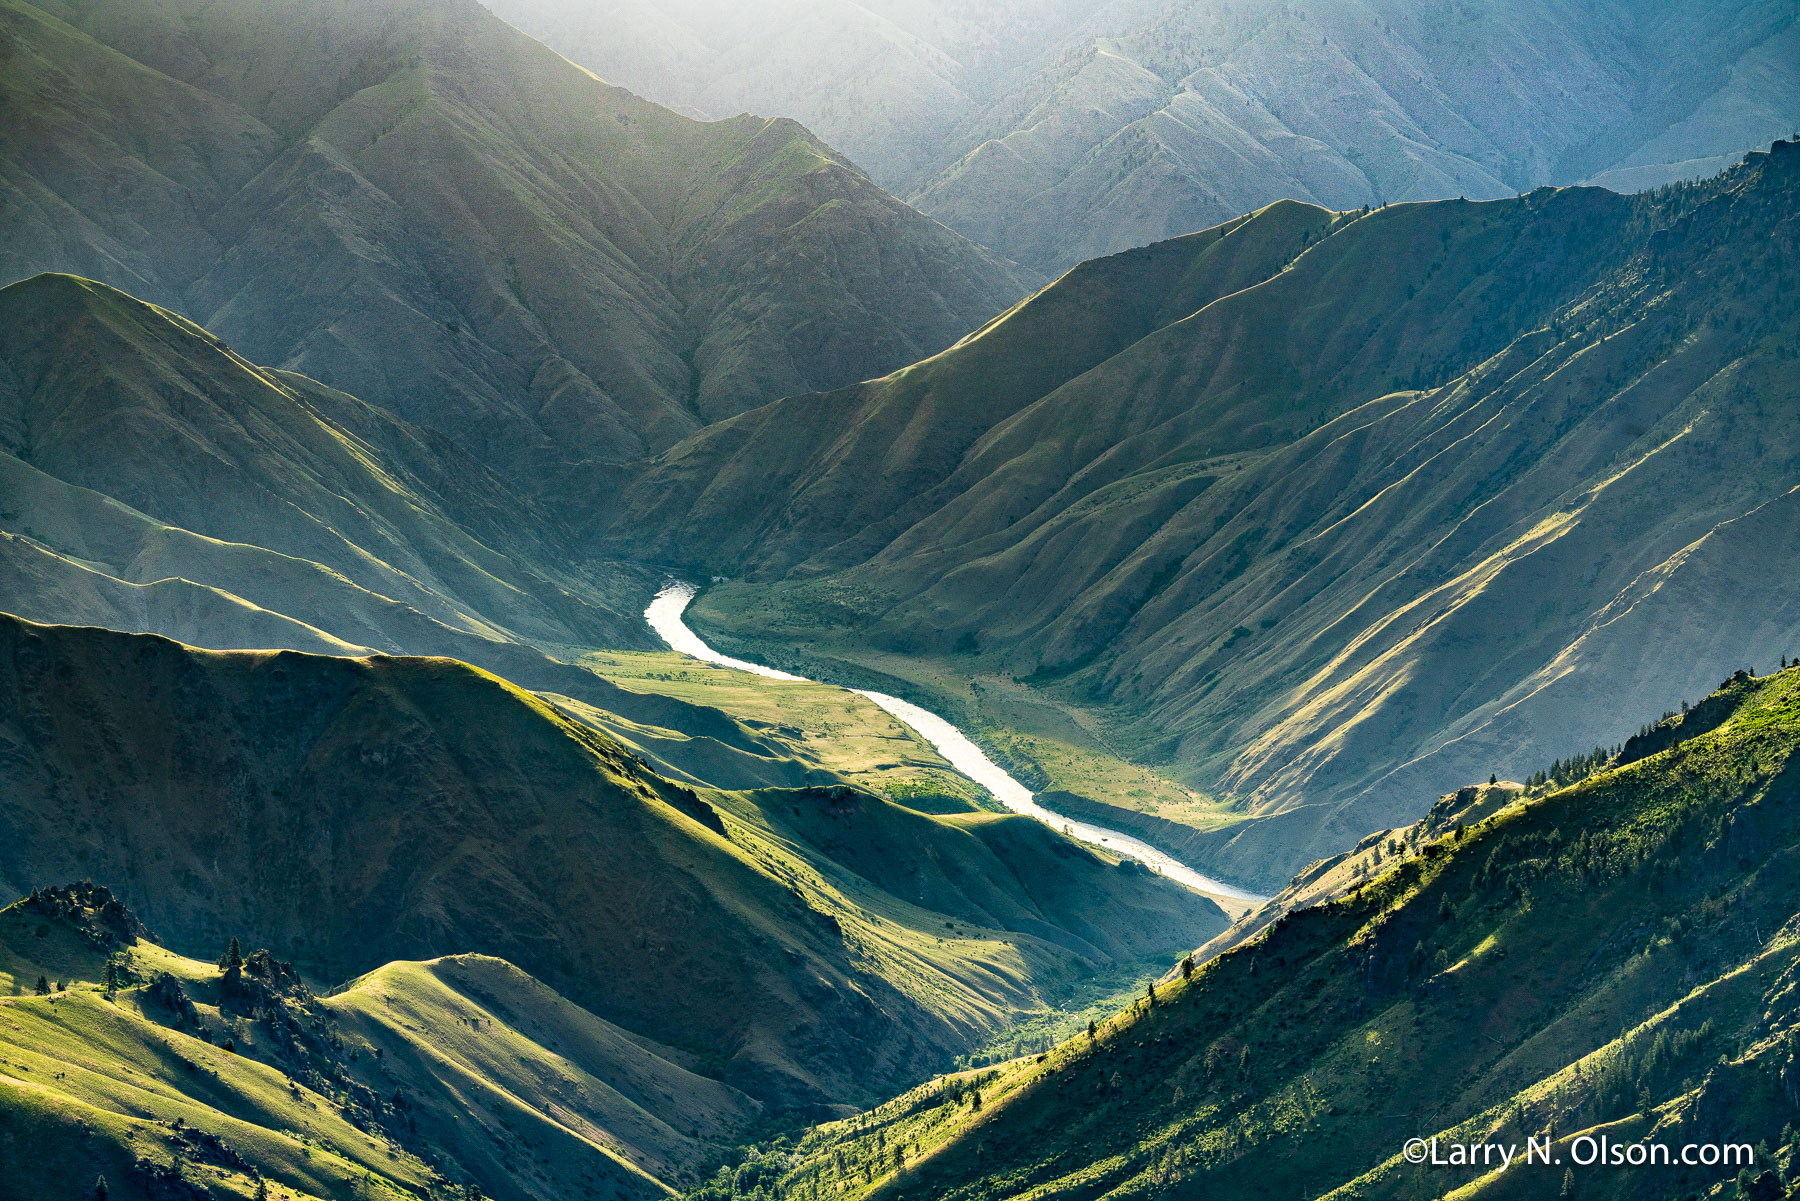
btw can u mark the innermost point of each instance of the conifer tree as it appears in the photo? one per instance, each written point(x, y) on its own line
point(232, 962)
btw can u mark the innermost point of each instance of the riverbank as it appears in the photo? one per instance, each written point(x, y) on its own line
point(665, 616)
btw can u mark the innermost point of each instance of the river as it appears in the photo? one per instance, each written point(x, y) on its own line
point(665, 617)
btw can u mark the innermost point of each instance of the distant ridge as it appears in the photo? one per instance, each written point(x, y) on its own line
point(1068, 129)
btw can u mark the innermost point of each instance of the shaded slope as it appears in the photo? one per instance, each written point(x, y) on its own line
point(415, 203)
point(1616, 958)
point(834, 477)
point(351, 812)
point(1316, 595)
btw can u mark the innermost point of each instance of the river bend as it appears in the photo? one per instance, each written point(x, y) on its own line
point(665, 616)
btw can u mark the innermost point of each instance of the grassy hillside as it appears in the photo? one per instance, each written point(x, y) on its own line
point(814, 733)
point(806, 946)
point(825, 481)
point(1616, 957)
point(414, 203)
point(459, 1071)
point(139, 449)
point(1371, 526)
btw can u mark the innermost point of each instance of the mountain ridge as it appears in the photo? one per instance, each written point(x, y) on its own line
point(350, 812)
point(1163, 543)
point(418, 205)
point(159, 1070)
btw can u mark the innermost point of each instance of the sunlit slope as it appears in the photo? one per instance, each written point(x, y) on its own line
point(521, 1084)
point(1361, 532)
point(415, 203)
point(289, 496)
point(805, 733)
point(809, 947)
point(462, 1069)
point(1615, 958)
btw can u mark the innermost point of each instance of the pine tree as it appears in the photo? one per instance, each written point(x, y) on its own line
point(1187, 967)
point(100, 1189)
point(232, 962)
point(1568, 1188)
point(110, 985)
point(43, 987)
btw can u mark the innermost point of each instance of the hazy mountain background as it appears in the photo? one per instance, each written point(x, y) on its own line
point(890, 83)
point(412, 202)
point(1056, 131)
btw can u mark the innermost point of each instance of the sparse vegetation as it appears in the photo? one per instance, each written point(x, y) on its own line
point(1614, 955)
point(1214, 570)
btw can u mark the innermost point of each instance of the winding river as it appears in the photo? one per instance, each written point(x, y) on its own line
point(665, 617)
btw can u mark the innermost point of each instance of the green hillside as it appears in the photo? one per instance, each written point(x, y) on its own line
point(414, 203)
point(808, 947)
point(460, 1071)
point(139, 450)
point(152, 480)
point(1338, 512)
point(1613, 958)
